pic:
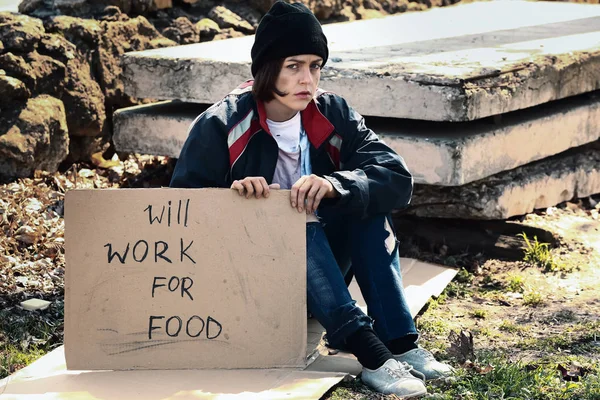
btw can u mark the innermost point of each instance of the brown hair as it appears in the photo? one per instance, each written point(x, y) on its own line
point(265, 79)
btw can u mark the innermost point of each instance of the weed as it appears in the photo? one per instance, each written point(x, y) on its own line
point(516, 284)
point(463, 276)
point(479, 313)
point(484, 331)
point(539, 254)
point(533, 299)
point(25, 335)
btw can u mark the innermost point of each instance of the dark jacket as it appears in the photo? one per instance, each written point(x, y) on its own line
point(231, 141)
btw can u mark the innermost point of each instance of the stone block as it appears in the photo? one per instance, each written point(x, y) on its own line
point(495, 57)
point(157, 129)
point(446, 154)
point(538, 185)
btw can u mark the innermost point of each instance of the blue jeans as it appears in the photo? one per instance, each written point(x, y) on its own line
point(333, 247)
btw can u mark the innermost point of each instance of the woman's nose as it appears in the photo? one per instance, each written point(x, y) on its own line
point(306, 76)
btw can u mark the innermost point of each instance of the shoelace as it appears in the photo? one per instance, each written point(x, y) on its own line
point(402, 372)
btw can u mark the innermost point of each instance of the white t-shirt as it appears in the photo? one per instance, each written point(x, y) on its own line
point(287, 136)
point(293, 160)
point(287, 133)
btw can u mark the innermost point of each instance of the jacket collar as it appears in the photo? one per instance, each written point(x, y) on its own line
point(317, 127)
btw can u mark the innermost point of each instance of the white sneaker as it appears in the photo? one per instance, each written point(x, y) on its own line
point(425, 363)
point(394, 377)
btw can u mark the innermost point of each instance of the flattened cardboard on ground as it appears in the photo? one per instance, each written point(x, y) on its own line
point(48, 379)
point(178, 279)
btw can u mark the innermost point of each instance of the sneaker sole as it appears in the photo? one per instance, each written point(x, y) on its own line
point(413, 396)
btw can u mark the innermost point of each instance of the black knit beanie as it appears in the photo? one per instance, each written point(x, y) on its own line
point(287, 30)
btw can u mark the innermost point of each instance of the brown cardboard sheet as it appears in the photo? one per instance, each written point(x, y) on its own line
point(180, 279)
point(48, 379)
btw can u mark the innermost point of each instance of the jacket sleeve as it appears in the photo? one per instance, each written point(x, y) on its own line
point(373, 179)
point(204, 158)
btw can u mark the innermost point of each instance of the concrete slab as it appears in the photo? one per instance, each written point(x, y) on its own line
point(448, 64)
point(437, 153)
point(545, 183)
point(457, 153)
point(157, 129)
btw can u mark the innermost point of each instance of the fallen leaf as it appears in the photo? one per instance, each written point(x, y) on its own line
point(480, 369)
point(574, 373)
point(26, 234)
point(461, 346)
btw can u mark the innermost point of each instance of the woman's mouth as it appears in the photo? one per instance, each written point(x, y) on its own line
point(303, 95)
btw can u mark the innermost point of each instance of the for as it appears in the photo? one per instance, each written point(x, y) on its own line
point(174, 283)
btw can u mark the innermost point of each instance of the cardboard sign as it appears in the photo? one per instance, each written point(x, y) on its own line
point(183, 278)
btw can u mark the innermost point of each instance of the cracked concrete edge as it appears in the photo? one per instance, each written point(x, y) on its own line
point(542, 184)
point(547, 79)
point(384, 92)
point(559, 127)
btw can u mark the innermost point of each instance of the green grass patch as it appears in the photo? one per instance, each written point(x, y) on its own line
point(578, 339)
point(533, 299)
point(457, 290)
point(480, 313)
point(463, 276)
point(506, 379)
point(432, 325)
point(14, 358)
point(516, 284)
point(27, 335)
point(510, 327)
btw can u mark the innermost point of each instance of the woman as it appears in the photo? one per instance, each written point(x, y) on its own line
point(282, 131)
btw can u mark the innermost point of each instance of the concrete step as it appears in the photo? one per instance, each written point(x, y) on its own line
point(437, 153)
point(448, 64)
point(542, 184)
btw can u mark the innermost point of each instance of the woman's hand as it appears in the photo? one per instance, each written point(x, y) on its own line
point(256, 185)
point(311, 189)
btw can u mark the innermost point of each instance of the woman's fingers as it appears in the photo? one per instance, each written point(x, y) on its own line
point(248, 187)
point(294, 193)
point(258, 187)
point(265, 187)
point(237, 185)
point(320, 194)
point(311, 197)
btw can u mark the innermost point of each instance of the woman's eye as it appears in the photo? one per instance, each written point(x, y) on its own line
point(292, 66)
point(316, 66)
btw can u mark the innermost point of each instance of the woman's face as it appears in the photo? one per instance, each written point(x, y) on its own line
point(299, 78)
